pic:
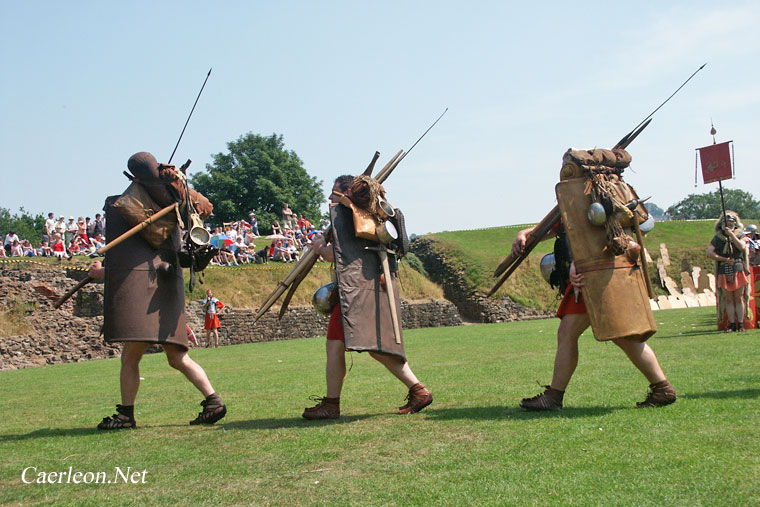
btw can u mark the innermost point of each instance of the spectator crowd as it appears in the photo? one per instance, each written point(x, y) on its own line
point(60, 238)
point(237, 241)
point(287, 243)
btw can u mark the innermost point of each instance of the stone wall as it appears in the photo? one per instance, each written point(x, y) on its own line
point(472, 305)
point(72, 332)
point(304, 322)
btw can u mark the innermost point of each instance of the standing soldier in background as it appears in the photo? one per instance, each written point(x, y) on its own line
point(211, 324)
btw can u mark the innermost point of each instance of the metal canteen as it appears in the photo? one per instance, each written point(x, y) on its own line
point(385, 208)
point(648, 224)
point(386, 232)
point(321, 298)
point(198, 234)
point(548, 264)
point(596, 214)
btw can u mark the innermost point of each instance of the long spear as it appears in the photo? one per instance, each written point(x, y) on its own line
point(510, 263)
point(188, 117)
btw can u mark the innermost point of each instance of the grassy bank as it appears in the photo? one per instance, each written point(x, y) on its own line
point(472, 446)
point(479, 251)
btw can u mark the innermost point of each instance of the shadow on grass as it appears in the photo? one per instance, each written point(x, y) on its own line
point(294, 422)
point(491, 413)
point(51, 432)
point(693, 332)
point(720, 395)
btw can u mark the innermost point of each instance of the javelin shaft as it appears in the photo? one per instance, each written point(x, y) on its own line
point(383, 174)
point(188, 117)
point(658, 107)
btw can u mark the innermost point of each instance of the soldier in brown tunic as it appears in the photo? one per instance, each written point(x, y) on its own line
point(361, 321)
point(144, 298)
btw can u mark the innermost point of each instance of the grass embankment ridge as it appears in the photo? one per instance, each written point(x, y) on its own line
point(473, 445)
point(479, 251)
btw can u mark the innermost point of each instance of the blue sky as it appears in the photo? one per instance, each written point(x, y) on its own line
point(86, 84)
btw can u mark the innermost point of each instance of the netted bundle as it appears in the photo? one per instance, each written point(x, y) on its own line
point(615, 209)
point(366, 193)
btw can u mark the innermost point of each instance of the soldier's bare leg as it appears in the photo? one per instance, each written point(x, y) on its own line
point(178, 359)
point(399, 368)
point(335, 369)
point(571, 327)
point(419, 396)
point(131, 354)
point(642, 356)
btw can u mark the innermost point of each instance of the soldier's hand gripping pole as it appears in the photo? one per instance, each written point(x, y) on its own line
point(134, 230)
point(512, 261)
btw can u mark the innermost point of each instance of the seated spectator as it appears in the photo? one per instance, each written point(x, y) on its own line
point(292, 251)
point(45, 250)
point(227, 256)
point(97, 241)
point(281, 252)
point(276, 229)
point(325, 225)
point(74, 248)
point(3, 255)
point(27, 249)
point(262, 256)
point(16, 249)
point(9, 239)
point(59, 249)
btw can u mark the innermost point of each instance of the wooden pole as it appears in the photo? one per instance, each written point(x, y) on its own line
point(102, 251)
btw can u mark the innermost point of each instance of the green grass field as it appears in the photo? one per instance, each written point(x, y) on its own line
point(473, 445)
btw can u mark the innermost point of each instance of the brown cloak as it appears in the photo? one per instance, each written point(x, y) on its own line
point(142, 303)
point(366, 316)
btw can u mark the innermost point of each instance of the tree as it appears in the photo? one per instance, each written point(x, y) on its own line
point(25, 225)
point(259, 175)
point(656, 212)
point(708, 205)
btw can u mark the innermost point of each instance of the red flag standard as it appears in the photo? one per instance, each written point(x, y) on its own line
point(716, 162)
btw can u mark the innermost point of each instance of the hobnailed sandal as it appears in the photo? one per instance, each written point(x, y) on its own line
point(326, 408)
point(213, 410)
point(418, 398)
point(121, 420)
point(660, 394)
point(549, 400)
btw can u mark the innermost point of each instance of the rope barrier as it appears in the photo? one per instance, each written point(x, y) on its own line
point(80, 268)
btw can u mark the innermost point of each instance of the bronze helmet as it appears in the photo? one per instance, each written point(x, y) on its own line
point(143, 165)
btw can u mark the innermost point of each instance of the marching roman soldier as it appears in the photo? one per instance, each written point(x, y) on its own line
point(366, 316)
point(601, 273)
point(144, 301)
